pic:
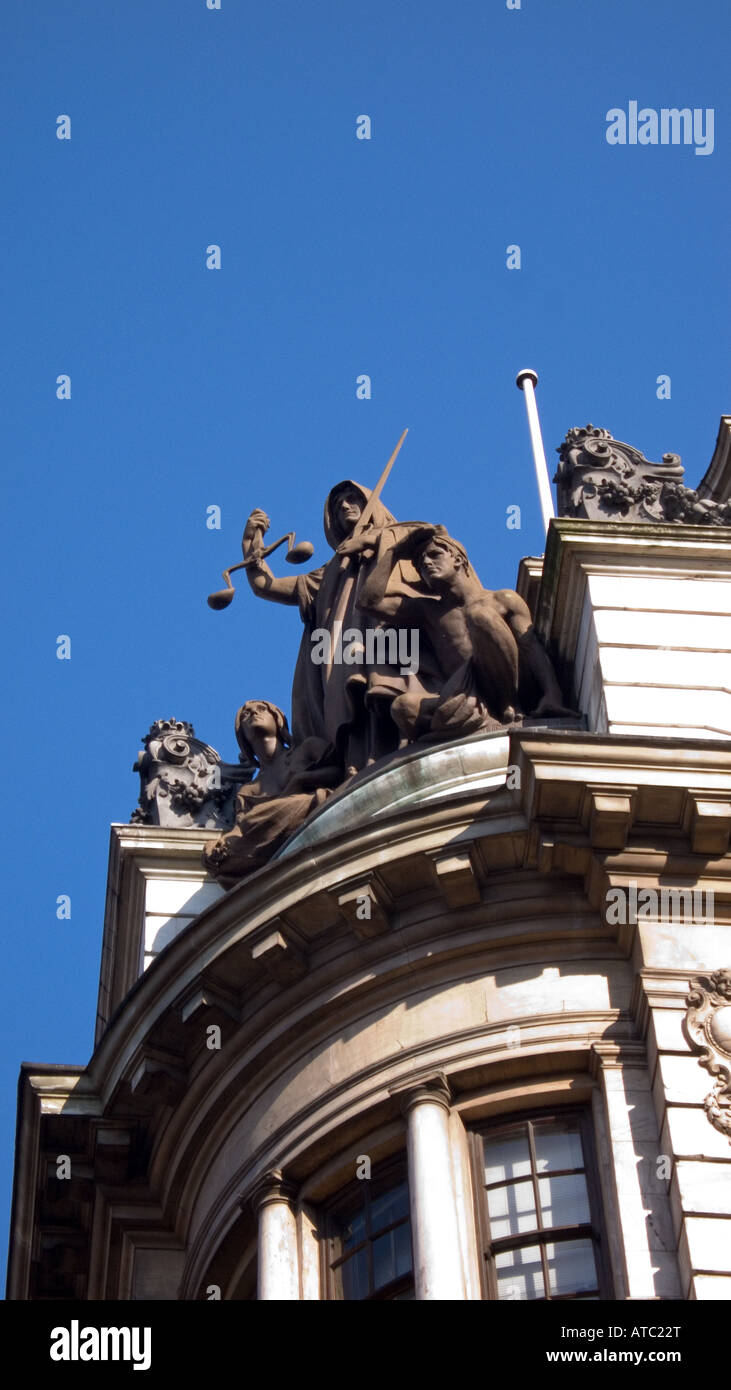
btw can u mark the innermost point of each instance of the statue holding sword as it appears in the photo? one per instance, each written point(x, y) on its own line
point(346, 704)
point(480, 664)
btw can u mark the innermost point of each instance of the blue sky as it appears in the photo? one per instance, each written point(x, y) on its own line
point(192, 387)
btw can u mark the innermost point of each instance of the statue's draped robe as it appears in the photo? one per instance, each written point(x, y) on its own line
point(326, 697)
point(265, 822)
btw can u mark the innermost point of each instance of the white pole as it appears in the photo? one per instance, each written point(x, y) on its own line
point(527, 380)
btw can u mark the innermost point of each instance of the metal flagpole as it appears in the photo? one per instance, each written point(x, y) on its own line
point(527, 380)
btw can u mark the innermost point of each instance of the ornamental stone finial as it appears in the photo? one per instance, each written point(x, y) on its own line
point(183, 782)
point(602, 479)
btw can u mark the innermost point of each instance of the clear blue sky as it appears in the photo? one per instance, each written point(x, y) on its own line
point(236, 387)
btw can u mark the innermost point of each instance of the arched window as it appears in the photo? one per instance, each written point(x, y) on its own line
point(539, 1209)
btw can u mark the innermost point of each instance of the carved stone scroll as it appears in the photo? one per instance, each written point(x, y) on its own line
point(600, 478)
point(707, 1027)
point(183, 782)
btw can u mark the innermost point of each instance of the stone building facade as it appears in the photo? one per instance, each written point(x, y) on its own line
point(467, 1036)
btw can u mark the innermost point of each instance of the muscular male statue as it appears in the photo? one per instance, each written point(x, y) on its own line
point(490, 660)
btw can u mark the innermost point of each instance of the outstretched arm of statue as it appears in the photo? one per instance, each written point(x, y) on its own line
point(356, 545)
point(312, 779)
point(263, 583)
point(533, 655)
point(373, 596)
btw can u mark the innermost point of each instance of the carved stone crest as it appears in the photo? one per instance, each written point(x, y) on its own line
point(600, 478)
point(707, 1027)
point(183, 782)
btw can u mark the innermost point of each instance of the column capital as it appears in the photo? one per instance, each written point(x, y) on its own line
point(612, 1056)
point(270, 1186)
point(417, 1090)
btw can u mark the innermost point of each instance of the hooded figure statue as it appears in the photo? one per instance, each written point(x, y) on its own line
point(331, 684)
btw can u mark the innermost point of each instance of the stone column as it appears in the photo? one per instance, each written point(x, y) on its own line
point(438, 1266)
point(630, 1164)
point(278, 1263)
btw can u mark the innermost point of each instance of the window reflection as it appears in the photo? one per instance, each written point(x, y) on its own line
point(370, 1246)
point(541, 1241)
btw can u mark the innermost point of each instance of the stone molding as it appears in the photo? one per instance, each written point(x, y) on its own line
point(276, 951)
point(432, 1088)
point(607, 814)
point(365, 905)
point(269, 1187)
point(577, 549)
point(657, 989)
point(456, 877)
point(615, 1056)
point(158, 1077)
point(546, 825)
point(709, 822)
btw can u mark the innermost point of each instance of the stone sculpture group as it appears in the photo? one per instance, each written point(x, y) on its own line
point(401, 645)
point(354, 704)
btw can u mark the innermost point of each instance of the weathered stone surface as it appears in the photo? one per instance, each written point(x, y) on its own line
point(599, 477)
point(708, 1029)
point(183, 782)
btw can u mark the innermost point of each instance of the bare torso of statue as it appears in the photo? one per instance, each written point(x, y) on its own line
point(483, 639)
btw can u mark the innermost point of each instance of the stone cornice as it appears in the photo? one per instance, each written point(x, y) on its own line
point(555, 767)
point(575, 548)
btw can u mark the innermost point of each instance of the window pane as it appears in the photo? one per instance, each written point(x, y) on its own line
point(365, 1255)
point(352, 1276)
point(507, 1157)
point(571, 1266)
point(520, 1274)
point(390, 1206)
point(564, 1201)
point(353, 1231)
point(391, 1256)
point(511, 1209)
point(558, 1146)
